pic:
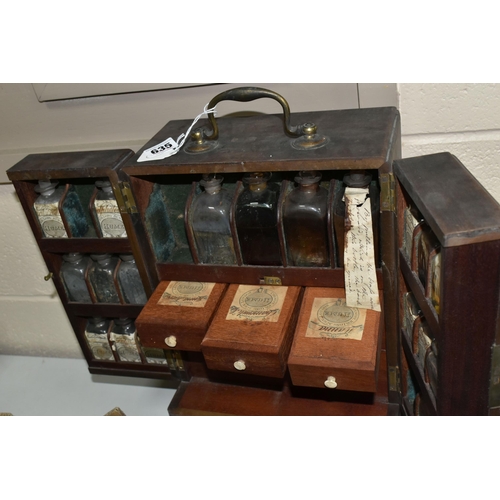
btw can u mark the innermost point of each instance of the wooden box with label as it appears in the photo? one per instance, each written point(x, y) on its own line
point(252, 330)
point(318, 180)
point(178, 314)
point(335, 346)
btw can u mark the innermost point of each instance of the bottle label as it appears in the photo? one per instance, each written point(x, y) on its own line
point(411, 312)
point(126, 347)
point(410, 223)
point(359, 253)
point(186, 294)
point(257, 303)
point(50, 220)
point(154, 355)
point(99, 345)
point(110, 219)
point(331, 318)
point(423, 342)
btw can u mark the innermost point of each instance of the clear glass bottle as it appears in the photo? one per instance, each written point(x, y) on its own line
point(101, 277)
point(305, 222)
point(129, 281)
point(124, 340)
point(209, 219)
point(108, 213)
point(360, 179)
point(96, 334)
point(73, 276)
point(256, 221)
point(47, 209)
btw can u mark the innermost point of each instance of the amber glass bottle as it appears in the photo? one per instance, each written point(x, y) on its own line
point(360, 179)
point(209, 219)
point(305, 221)
point(256, 221)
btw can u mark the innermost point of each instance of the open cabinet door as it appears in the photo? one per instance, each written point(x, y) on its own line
point(449, 268)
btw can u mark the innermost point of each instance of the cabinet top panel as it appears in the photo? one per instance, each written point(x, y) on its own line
point(76, 164)
point(357, 139)
point(457, 207)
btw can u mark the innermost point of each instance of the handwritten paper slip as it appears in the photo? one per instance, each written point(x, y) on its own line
point(359, 253)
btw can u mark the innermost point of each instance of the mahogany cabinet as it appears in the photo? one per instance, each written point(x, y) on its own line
point(431, 350)
point(78, 172)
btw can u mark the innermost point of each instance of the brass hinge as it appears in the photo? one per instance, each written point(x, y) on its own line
point(127, 203)
point(394, 381)
point(387, 193)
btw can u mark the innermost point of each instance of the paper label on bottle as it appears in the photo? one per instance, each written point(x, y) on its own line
point(186, 294)
point(51, 220)
point(154, 355)
point(411, 312)
point(410, 223)
point(126, 347)
point(110, 219)
point(99, 345)
point(331, 318)
point(424, 342)
point(257, 303)
point(359, 253)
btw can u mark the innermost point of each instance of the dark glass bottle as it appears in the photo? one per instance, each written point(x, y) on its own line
point(124, 340)
point(47, 209)
point(73, 276)
point(305, 222)
point(96, 333)
point(359, 179)
point(256, 221)
point(209, 219)
point(130, 282)
point(107, 212)
point(101, 278)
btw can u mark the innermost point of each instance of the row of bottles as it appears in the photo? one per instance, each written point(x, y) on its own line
point(422, 250)
point(106, 278)
point(305, 220)
point(421, 340)
point(117, 340)
point(61, 214)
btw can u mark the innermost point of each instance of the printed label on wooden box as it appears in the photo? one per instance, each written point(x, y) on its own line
point(186, 293)
point(257, 303)
point(332, 318)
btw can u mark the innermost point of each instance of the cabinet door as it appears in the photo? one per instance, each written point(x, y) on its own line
point(449, 268)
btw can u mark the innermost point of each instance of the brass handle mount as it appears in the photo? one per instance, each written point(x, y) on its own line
point(306, 136)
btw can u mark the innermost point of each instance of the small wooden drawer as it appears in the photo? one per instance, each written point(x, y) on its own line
point(252, 330)
point(178, 314)
point(335, 346)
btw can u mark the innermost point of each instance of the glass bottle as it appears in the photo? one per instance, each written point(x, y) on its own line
point(359, 179)
point(124, 340)
point(209, 219)
point(130, 282)
point(305, 222)
point(96, 333)
point(73, 276)
point(101, 278)
point(256, 221)
point(108, 214)
point(47, 209)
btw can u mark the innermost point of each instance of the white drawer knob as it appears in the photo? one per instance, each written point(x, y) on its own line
point(171, 341)
point(331, 383)
point(240, 365)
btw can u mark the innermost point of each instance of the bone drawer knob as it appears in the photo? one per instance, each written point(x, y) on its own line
point(171, 341)
point(331, 383)
point(240, 365)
